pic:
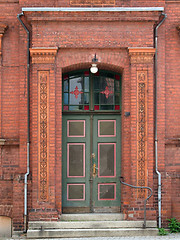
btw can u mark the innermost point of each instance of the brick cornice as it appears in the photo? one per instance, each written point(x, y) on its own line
point(141, 55)
point(69, 16)
point(43, 55)
point(3, 27)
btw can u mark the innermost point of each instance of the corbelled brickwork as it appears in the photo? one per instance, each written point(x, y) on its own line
point(66, 41)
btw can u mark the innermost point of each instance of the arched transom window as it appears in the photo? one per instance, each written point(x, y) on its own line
point(83, 91)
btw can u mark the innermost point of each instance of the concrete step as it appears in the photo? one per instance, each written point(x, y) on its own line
point(72, 233)
point(93, 217)
point(90, 225)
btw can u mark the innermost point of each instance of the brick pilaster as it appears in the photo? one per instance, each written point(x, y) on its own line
point(43, 134)
point(142, 159)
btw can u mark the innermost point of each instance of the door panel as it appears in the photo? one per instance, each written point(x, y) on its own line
point(106, 160)
point(76, 160)
point(91, 163)
point(106, 147)
point(76, 163)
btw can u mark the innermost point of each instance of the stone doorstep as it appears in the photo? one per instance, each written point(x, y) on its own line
point(89, 225)
point(92, 217)
point(72, 233)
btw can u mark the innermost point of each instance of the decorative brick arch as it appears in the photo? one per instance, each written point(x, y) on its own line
point(80, 59)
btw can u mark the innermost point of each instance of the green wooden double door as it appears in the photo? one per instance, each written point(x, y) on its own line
point(91, 163)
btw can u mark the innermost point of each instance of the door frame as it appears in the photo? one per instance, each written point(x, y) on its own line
point(91, 113)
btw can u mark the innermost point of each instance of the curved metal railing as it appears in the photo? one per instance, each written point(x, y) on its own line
point(145, 201)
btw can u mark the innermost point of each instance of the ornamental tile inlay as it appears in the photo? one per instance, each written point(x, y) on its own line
point(107, 92)
point(43, 78)
point(92, 2)
point(76, 92)
point(141, 129)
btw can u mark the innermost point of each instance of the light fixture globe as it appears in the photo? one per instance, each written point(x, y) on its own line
point(94, 68)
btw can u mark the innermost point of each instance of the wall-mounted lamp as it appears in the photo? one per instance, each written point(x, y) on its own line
point(94, 67)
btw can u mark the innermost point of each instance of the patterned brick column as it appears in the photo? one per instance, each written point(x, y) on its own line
point(43, 134)
point(142, 116)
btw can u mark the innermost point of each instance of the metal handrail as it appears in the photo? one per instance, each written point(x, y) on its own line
point(145, 201)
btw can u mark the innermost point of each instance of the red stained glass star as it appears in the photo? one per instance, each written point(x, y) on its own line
point(76, 92)
point(107, 92)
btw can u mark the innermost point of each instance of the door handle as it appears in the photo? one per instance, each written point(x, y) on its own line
point(94, 169)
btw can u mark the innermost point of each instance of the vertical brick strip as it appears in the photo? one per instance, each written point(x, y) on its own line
point(43, 132)
point(0, 100)
point(2, 30)
point(141, 131)
point(141, 68)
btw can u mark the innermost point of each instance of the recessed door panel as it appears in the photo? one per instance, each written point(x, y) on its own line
point(75, 160)
point(106, 160)
point(106, 191)
point(106, 128)
point(76, 192)
point(76, 128)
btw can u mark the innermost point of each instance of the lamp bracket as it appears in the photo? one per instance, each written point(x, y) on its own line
point(95, 59)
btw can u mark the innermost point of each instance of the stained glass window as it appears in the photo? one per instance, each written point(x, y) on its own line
point(84, 91)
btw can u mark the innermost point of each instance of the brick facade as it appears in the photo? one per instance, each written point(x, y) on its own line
point(63, 41)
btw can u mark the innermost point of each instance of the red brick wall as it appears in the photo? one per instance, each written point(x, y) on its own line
point(171, 176)
point(91, 34)
point(6, 197)
point(77, 42)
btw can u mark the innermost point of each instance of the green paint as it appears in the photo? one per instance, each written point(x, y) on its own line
point(91, 136)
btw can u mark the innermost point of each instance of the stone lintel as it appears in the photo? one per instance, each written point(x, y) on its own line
point(43, 55)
